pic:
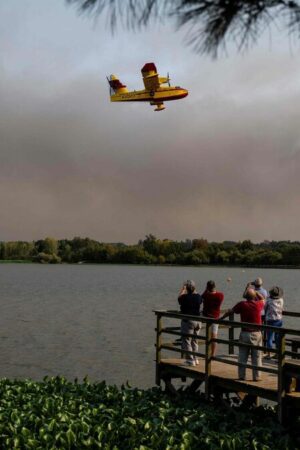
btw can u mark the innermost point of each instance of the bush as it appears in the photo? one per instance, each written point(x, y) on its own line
point(45, 258)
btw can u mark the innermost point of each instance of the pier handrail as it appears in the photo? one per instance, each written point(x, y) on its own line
point(231, 324)
point(228, 323)
point(291, 313)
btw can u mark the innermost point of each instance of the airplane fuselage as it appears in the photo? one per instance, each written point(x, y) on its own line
point(162, 94)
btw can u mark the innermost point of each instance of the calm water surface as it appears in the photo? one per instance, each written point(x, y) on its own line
point(97, 320)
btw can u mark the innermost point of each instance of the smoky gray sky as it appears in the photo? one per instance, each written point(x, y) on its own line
point(223, 163)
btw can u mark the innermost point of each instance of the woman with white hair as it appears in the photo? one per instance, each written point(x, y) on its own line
point(273, 315)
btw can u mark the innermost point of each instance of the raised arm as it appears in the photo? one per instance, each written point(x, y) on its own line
point(181, 293)
point(226, 314)
point(248, 286)
point(182, 290)
point(260, 296)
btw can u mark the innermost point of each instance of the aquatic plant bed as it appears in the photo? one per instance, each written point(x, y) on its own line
point(57, 414)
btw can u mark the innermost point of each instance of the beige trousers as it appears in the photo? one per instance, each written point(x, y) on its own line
point(188, 343)
point(254, 338)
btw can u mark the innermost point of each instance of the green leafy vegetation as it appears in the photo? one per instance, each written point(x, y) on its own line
point(193, 252)
point(56, 414)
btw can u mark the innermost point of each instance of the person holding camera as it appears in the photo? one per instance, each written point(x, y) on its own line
point(250, 311)
point(212, 301)
point(257, 285)
point(190, 302)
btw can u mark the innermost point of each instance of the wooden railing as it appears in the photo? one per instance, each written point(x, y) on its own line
point(293, 343)
point(287, 336)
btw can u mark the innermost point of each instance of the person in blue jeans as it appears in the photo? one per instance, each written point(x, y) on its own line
point(273, 315)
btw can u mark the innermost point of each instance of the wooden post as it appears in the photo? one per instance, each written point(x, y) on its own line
point(158, 347)
point(281, 383)
point(295, 346)
point(208, 353)
point(231, 335)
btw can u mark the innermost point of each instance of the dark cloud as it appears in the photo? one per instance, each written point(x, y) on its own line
point(223, 163)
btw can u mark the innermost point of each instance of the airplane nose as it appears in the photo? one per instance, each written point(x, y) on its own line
point(181, 93)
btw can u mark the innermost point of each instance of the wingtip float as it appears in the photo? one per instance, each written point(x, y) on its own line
point(157, 89)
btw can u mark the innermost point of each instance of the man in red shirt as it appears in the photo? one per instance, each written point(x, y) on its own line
point(212, 301)
point(250, 311)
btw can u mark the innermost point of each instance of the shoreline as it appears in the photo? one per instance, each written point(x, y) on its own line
point(263, 266)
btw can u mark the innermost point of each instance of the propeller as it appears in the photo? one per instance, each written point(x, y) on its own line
point(110, 89)
point(168, 76)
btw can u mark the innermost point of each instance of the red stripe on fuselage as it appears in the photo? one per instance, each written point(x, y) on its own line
point(116, 84)
point(153, 99)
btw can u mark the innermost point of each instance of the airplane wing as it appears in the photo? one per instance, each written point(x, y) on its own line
point(150, 77)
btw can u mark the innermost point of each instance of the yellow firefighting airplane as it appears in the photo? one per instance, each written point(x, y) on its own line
point(153, 92)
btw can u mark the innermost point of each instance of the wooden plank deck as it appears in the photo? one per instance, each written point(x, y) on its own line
point(225, 375)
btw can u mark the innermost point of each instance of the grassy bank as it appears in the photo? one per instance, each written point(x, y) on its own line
point(15, 261)
point(57, 414)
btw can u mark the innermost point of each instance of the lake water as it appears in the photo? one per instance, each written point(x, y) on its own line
point(97, 320)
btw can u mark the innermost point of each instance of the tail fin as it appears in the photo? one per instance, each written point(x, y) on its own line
point(116, 86)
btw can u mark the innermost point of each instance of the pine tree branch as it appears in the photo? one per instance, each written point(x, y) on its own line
point(210, 23)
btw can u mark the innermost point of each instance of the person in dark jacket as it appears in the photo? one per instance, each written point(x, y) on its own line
point(190, 301)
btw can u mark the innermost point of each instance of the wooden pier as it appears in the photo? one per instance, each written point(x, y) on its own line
point(280, 377)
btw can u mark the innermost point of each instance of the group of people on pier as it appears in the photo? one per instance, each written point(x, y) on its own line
point(257, 307)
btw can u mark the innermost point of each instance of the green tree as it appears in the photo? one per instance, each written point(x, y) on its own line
point(65, 250)
point(245, 245)
point(235, 256)
point(2, 250)
point(196, 257)
point(151, 244)
point(18, 250)
point(223, 257)
point(133, 254)
point(109, 253)
point(249, 258)
point(200, 244)
point(46, 258)
point(171, 258)
point(48, 245)
point(291, 253)
point(161, 259)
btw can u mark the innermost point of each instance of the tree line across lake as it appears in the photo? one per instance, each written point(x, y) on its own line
point(154, 251)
